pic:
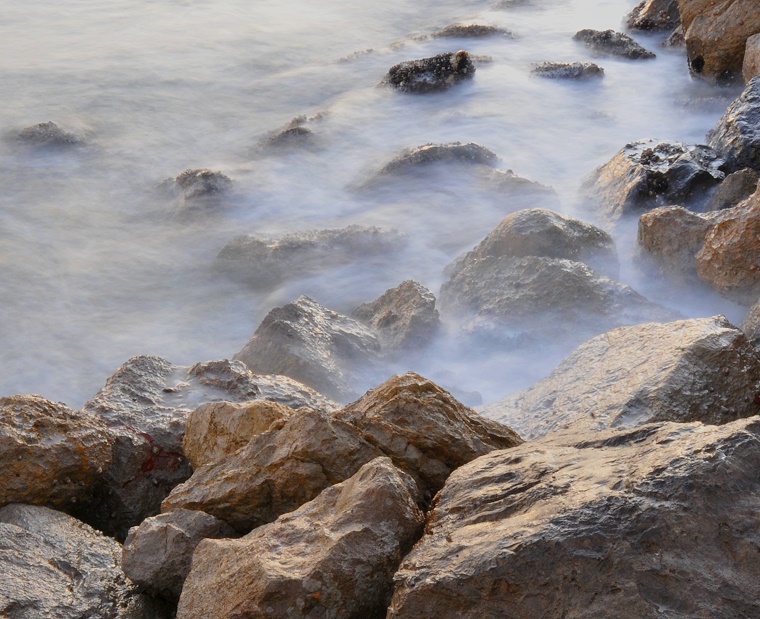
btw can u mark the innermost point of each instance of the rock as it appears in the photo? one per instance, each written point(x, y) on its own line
point(333, 557)
point(751, 325)
point(609, 42)
point(50, 454)
point(675, 39)
point(689, 370)
point(201, 183)
point(412, 159)
point(217, 429)
point(47, 134)
point(568, 70)
point(265, 263)
point(157, 554)
point(404, 318)
point(659, 521)
point(314, 345)
point(654, 15)
point(751, 63)
point(737, 134)
point(737, 187)
point(53, 565)
point(472, 31)
point(716, 34)
point(651, 173)
point(434, 74)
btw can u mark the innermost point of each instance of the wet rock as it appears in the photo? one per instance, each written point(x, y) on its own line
point(333, 557)
point(412, 159)
point(217, 429)
point(53, 565)
point(651, 173)
point(654, 15)
point(609, 42)
point(737, 134)
point(716, 34)
point(434, 74)
point(157, 554)
point(736, 188)
point(50, 454)
point(689, 370)
point(297, 134)
point(201, 183)
point(264, 263)
point(319, 347)
point(472, 31)
point(568, 70)
point(657, 521)
point(751, 62)
point(47, 134)
point(404, 318)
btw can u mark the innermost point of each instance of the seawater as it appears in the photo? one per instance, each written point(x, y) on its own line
point(95, 266)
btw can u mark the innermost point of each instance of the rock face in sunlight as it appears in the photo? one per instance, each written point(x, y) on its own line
point(568, 70)
point(654, 15)
point(691, 370)
point(737, 134)
point(47, 134)
point(651, 173)
point(716, 35)
point(611, 43)
point(53, 565)
point(333, 557)
point(428, 75)
point(657, 521)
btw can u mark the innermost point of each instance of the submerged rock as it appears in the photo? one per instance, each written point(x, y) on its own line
point(654, 15)
point(751, 62)
point(568, 70)
point(612, 43)
point(201, 183)
point(690, 370)
point(472, 31)
point(47, 134)
point(412, 159)
point(434, 74)
point(737, 134)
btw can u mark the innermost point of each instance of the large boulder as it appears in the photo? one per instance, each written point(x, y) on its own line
point(609, 42)
point(737, 134)
point(53, 565)
point(428, 75)
point(751, 63)
point(651, 173)
point(654, 15)
point(689, 370)
point(716, 34)
point(658, 521)
point(333, 557)
point(50, 454)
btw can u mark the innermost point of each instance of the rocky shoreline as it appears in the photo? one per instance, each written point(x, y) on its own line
point(285, 482)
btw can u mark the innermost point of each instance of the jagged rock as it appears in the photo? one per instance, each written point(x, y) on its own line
point(50, 454)
point(145, 404)
point(217, 429)
point(751, 62)
point(568, 70)
point(716, 34)
point(404, 318)
point(609, 42)
point(736, 187)
point(53, 565)
point(264, 263)
point(751, 325)
point(157, 554)
point(333, 557)
point(312, 344)
point(472, 31)
point(651, 173)
point(658, 521)
point(654, 15)
point(47, 134)
point(434, 74)
point(737, 134)
point(689, 370)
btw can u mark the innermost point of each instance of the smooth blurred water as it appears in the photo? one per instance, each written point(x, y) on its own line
point(94, 265)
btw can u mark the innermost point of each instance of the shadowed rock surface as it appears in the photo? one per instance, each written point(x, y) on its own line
point(737, 134)
point(690, 370)
point(47, 134)
point(472, 31)
point(658, 521)
point(751, 325)
point(737, 187)
point(434, 74)
point(609, 42)
point(568, 70)
point(654, 15)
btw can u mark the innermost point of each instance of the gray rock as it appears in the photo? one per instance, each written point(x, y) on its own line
point(472, 31)
point(751, 63)
point(201, 183)
point(568, 70)
point(750, 326)
point(689, 370)
point(56, 567)
point(654, 15)
point(412, 159)
point(47, 134)
point(675, 39)
point(658, 521)
point(737, 134)
point(157, 554)
point(736, 187)
point(609, 42)
point(428, 75)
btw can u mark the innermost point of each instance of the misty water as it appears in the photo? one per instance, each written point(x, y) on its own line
point(97, 266)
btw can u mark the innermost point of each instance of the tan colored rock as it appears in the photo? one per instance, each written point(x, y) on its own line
point(657, 521)
point(716, 35)
point(217, 429)
point(333, 557)
point(689, 370)
point(50, 454)
point(751, 63)
point(654, 15)
point(750, 326)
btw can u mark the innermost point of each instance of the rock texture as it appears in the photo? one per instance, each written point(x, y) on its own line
point(412, 159)
point(157, 554)
point(609, 42)
point(737, 134)
point(737, 186)
point(55, 566)
point(428, 75)
point(568, 70)
point(472, 31)
point(333, 557)
point(47, 134)
point(691, 370)
point(651, 173)
point(50, 454)
point(654, 15)
point(751, 62)
point(659, 521)
point(750, 326)
point(201, 183)
point(716, 34)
